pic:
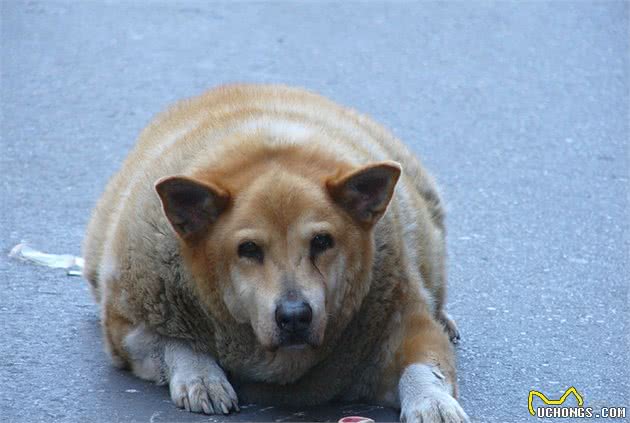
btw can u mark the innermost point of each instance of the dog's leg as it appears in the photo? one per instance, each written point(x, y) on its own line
point(196, 381)
point(428, 386)
point(449, 324)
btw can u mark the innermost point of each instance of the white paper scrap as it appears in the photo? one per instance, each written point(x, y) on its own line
point(73, 264)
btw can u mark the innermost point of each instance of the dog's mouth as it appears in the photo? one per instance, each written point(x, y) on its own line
point(295, 341)
point(295, 347)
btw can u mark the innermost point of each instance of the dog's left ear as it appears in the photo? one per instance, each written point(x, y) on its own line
point(191, 206)
point(366, 192)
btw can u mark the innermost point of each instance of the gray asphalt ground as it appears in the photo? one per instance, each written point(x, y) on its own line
point(519, 109)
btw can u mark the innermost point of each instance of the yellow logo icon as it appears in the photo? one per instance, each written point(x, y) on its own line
point(546, 400)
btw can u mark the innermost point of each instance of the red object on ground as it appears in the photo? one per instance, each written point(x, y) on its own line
point(356, 419)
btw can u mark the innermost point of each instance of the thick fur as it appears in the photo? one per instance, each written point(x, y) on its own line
point(178, 307)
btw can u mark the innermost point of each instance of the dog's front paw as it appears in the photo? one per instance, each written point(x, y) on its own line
point(436, 406)
point(208, 392)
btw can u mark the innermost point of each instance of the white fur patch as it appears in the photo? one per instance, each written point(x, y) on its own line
point(108, 269)
point(426, 396)
point(279, 128)
point(144, 350)
point(418, 379)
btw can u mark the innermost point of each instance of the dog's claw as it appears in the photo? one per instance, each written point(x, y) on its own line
point(207, 408)
point(450, 326)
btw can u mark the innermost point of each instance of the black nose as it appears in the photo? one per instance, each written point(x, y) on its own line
point(294, 316)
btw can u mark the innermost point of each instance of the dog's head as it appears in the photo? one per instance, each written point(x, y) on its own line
point(283, 237)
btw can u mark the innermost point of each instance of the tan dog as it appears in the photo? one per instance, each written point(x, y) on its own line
point(266, 234)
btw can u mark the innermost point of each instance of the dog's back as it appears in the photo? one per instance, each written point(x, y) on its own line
point(194, 130)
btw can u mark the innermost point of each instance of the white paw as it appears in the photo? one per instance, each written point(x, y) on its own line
point(209, 393)
point(435, 406)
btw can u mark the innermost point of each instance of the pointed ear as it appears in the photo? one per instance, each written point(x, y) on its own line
point(365, 192)
point(190, 205)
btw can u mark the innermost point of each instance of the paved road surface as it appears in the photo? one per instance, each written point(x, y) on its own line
point(519, 109)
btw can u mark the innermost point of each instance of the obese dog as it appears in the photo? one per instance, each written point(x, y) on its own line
point(264, 241)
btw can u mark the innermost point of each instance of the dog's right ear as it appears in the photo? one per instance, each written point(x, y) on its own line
point(190, 205)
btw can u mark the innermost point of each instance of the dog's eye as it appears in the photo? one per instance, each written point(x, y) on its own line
point(249, 249)
point(320, 243)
